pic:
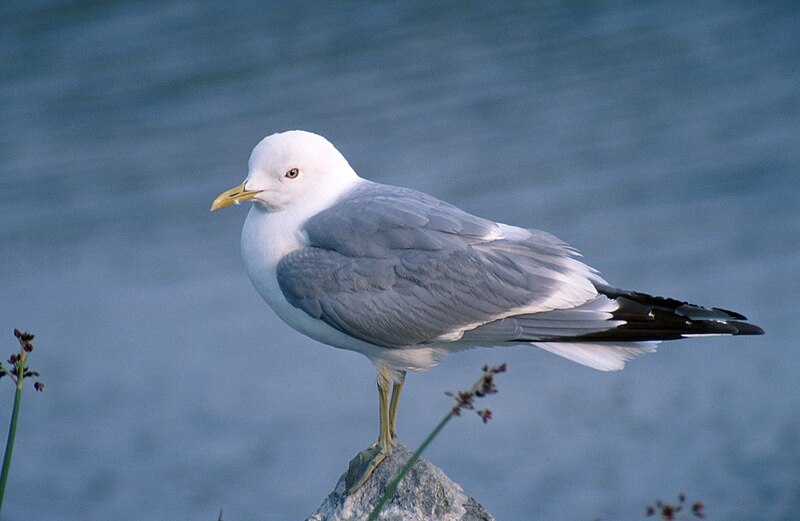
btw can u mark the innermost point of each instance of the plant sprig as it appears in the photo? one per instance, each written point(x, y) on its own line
point(17, 371)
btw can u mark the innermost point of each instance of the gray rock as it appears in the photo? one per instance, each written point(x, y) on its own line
point(425, 494)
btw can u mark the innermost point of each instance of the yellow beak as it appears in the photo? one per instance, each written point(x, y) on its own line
point(233, 196)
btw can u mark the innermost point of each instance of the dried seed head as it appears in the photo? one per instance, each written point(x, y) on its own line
point(24, 337)
point(697, 510)
point(670, 512)
point(18, 370)
point(485, 415)
point(484, 385)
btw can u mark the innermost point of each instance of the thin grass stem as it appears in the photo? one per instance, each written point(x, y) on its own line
point(12, 430)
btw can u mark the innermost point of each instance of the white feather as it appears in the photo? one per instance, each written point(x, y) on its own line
point(601, 356)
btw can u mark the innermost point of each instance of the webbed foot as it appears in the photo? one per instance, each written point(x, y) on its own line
point(363, 465)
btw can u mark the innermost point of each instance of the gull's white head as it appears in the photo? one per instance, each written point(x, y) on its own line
point(288, 168)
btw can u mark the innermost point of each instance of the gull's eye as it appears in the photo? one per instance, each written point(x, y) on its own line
point(292, 174)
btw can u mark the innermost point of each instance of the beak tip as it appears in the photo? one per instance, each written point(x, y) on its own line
point(233, 196)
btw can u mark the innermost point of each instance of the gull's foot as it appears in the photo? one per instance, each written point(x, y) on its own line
point(362, 466)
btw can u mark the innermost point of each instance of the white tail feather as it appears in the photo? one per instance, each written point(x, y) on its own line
point(601, 356)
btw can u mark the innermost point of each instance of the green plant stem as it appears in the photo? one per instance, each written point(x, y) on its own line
point(390, 490)
point(12, 431)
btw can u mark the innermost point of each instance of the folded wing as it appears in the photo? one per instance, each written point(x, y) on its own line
point(397, 268)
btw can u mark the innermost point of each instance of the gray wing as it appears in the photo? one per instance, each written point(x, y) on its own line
point(395, 267)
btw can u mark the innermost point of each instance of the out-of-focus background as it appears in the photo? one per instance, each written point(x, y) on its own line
point(660, 139)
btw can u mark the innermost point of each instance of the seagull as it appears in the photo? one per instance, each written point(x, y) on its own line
point(405, 279)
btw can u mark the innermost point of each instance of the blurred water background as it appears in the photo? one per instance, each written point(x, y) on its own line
point(661, 139)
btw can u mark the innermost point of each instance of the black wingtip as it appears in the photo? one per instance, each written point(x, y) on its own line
point(649, 317)
point(733, 314)
point(743, 328)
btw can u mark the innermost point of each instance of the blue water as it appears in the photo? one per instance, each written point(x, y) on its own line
point(660, 139)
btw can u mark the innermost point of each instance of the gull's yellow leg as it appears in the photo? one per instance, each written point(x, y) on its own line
point(397, 388)
point(384, 384)
point(366, 461)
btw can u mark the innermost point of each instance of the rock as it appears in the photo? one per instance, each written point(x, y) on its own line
point(425, 494)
